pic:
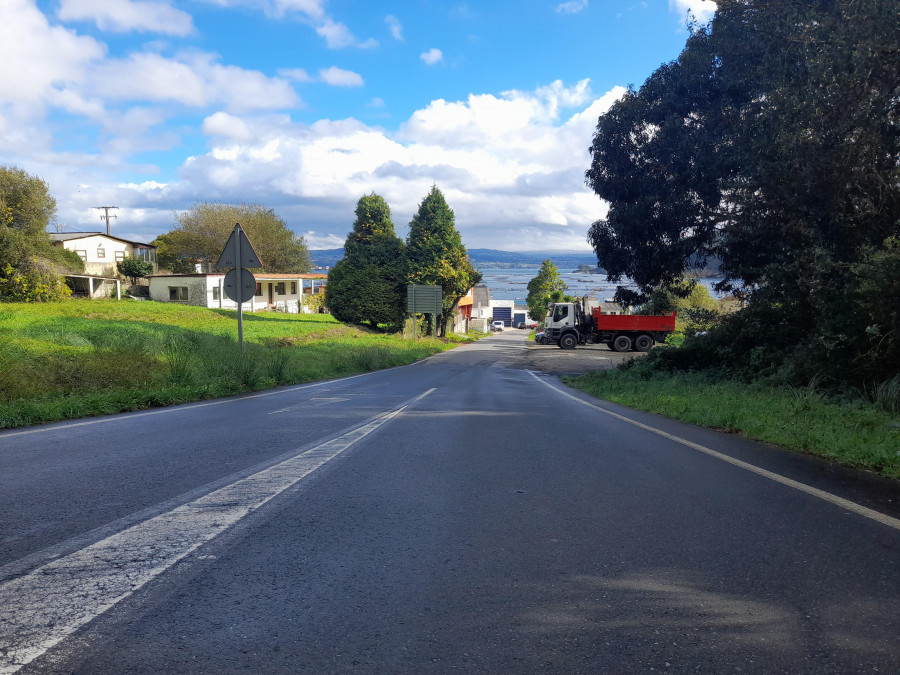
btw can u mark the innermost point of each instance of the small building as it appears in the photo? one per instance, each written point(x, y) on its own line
point(274, 292)
point(100, 252)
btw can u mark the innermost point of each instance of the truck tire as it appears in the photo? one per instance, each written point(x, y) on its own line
point(568, 341)
point(622, 343)
point(643, 343)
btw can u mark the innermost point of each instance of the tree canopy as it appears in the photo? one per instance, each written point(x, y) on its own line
point(542, 287)
point(771, 144)
point(368, 285)
point(435, 254)
point(30, 266)
point(200, 234)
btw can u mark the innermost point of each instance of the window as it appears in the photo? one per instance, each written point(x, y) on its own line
point(258, 290)
point(293, 288)
point(215, 291)
point(178, 293)
point(279, 288)
point(101, 252)
point(562, 311)
point(82, 255)
point(120, 256)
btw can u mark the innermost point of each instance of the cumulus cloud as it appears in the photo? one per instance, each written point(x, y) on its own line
point(295, 74)
point(432, 56)
point(702, 9)
point(572, 7)
point(395, 27)
point(122, 16)
point(511, 166)
point(47, 58)
point(338, 36)
point(194, 79)
point(337, 77)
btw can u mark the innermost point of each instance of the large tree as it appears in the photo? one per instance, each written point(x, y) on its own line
point(200, 234)
point(31, 267)
point(367, 285)
point(541, 288)
point(772, 144)
point(435, 254)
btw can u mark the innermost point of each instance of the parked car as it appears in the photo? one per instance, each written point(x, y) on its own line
point(539, 338)
point(521, 324)
point(497, 325)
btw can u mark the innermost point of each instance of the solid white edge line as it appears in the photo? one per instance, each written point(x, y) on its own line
point(42, 608)
point(115, 417)
point(858, 509)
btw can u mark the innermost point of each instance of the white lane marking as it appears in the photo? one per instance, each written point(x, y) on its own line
point(858, 509)
point(42, 608)
point(313, 401)
point(176, 408)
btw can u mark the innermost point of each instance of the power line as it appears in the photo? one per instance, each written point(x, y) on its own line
point(106, 217)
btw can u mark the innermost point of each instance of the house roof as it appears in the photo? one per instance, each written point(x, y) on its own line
point(69, 236)
point(258, 275)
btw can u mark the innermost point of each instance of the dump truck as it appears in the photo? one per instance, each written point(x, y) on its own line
point(570, 324)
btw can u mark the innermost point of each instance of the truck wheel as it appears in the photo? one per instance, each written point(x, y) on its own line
point(568, 341)
point(643, 343)
point(622, 343)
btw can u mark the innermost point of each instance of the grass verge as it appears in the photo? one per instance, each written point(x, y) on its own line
point(81, 358)
point(859, 435)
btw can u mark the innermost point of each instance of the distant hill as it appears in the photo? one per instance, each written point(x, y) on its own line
point(486, 257)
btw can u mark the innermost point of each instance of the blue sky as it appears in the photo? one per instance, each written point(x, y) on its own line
point(305, 105)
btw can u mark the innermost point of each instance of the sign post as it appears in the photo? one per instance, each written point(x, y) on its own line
point(424, 299)
point(240, 284)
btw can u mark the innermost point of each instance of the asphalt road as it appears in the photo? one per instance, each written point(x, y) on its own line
point(460, 514)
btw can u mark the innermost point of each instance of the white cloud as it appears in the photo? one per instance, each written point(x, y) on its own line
point(511, 166)
point(128, 15)
point(295, 74)
point(47, 58)
point(432, 56)
point(572, 7)
point(195, 80)
point(337, 77)
point(395, 27)
point(702, 9)
point(338, 36)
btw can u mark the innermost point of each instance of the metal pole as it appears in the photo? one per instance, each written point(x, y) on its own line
point(240, 280)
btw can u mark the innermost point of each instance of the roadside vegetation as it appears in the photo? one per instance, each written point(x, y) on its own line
point(854, 432)
point(79, 358)
point(768, 152)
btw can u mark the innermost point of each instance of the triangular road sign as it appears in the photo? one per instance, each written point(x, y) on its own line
point(229, 257)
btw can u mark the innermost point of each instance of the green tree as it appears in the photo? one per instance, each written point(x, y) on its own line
point(541, 286)
point(771, 144)
point(435, 254)
point(367, 285)
point(31, 268)
point(200, 234)
point(134, 268)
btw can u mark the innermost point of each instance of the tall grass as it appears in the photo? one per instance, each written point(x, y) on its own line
point(81, 358)
point(856, 434)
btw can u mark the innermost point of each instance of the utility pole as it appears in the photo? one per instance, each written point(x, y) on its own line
point(106, 217)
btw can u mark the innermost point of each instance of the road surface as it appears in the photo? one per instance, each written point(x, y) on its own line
point(464, 513)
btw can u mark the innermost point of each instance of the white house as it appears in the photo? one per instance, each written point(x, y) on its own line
point(100, 252)
point(278, 292)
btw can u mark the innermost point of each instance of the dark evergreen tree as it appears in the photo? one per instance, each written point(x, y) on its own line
point(771, 144)
point(435, 254)
point(367, 285)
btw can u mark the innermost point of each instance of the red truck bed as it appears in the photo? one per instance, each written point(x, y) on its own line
point(633, 322)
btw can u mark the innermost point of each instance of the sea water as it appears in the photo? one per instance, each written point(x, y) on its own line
point(512, 283)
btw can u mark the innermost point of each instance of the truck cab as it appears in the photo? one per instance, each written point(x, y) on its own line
point(564, 324)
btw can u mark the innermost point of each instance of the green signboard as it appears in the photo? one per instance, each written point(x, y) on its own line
point(423, 299)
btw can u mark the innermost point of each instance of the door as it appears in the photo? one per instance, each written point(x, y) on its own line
point(271, 294)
